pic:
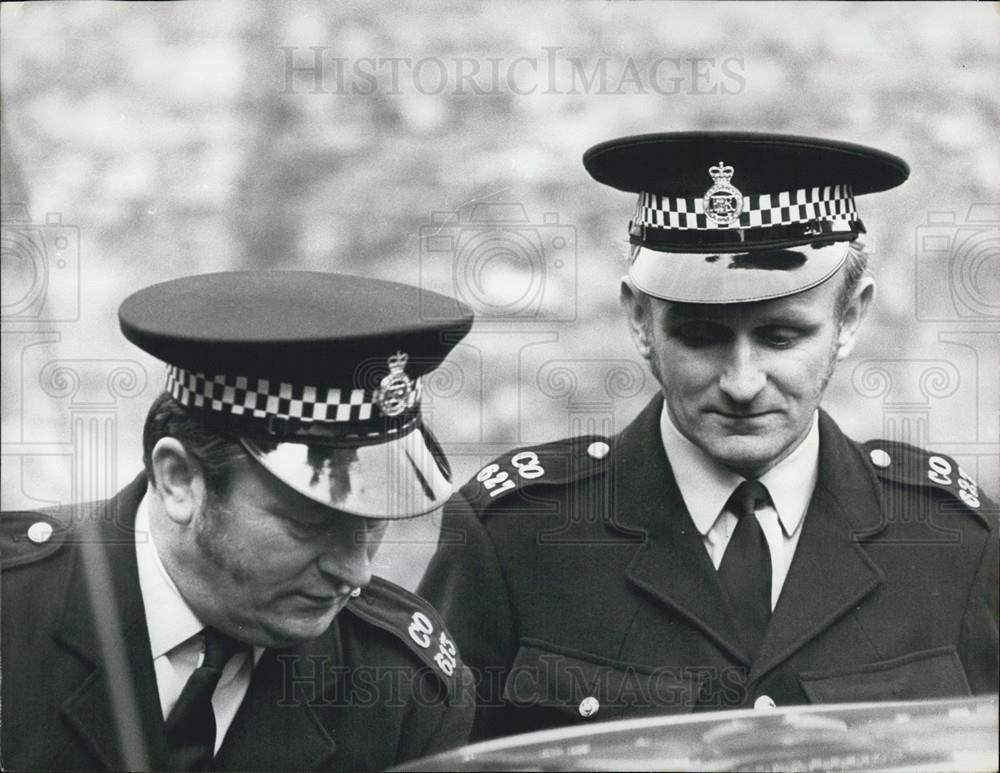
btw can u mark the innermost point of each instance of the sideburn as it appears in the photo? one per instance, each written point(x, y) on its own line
point(211, 534)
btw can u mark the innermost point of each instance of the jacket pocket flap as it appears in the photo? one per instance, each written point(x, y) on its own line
point(935, 673)
point(592, 687)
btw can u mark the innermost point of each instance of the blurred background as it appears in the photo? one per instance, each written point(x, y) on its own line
point(440, 145)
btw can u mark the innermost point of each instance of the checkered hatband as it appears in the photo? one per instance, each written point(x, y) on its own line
point(263, 399)
point(805, 205)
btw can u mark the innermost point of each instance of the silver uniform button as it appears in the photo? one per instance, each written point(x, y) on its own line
point(598, 450)
point(355, 593)
point(880, 458)
point(764, 702)
point(589, 706)
point(40, 532)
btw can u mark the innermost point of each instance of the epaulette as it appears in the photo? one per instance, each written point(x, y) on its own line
point(912, 466)
point(27, 536)
point(555, 463)
point(414, 622)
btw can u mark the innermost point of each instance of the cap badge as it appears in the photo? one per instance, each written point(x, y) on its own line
point(723, 202)
point(395, 392)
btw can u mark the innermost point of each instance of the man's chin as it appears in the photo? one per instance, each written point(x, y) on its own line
point(289, 630)
point(749, 455)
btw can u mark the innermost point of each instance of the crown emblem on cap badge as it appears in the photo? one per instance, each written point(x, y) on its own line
point(723, 202)
point(395, 392)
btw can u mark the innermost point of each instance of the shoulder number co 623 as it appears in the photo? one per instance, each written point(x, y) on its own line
point(940, 470)
point(421, 630)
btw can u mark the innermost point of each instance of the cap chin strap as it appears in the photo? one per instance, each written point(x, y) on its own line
point(739, 239)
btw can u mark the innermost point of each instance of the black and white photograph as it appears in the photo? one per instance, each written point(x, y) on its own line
point(551, 385)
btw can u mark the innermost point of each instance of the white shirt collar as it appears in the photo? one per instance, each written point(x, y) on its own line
point(706, 485)
point(169, 619)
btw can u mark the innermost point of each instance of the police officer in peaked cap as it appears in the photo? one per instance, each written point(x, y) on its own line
point(220, 613)
point(731, 547)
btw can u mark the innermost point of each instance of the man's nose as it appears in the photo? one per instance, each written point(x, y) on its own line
point(743, 378)
point(347, 561)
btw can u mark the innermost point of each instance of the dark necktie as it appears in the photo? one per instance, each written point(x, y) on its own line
point(191, 724)
point(745, 571)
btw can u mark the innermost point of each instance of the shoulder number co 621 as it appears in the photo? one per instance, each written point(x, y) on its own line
point(496, 480)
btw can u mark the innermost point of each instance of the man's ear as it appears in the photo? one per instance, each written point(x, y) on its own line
point(638, 311)
point(178, 480)
point(854, 313)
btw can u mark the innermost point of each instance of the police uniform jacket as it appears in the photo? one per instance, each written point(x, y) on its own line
point(379, 687)
point(579, 589)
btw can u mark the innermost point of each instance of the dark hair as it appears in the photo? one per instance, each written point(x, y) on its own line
point(214, 452)
point(855, 267)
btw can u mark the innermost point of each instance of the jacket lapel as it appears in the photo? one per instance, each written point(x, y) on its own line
point(830, 572)
point(276, 728)
point(103, 623)
point(672, 564)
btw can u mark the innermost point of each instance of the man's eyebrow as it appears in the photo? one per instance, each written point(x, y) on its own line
point(793, 314)
point(800, 314)
point(684, 311)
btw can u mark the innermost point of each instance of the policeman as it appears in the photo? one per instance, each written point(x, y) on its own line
point(731, 547)
point(220, 612)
